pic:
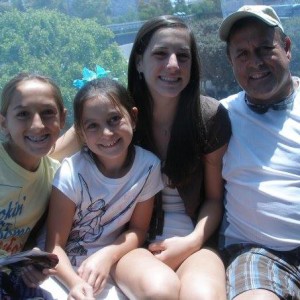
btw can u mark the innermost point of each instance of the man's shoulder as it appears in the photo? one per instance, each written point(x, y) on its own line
point(230, 100)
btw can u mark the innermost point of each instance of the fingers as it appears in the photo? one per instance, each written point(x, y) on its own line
point(83, 291)
point(94, 279)
point(156, 248)
point(99, 285)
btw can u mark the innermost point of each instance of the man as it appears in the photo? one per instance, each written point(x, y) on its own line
point(260, 234)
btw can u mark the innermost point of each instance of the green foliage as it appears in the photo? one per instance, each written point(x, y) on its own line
point(98, 9)
point(150, 8)
point(180, 6)
point(57, 46)
point(216, 69)
point(205, 8)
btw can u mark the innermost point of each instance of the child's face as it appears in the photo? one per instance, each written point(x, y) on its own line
point(107, 131)
point(33, 123)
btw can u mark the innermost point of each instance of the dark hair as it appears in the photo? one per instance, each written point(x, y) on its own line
point(10, 88)
point(240, 24)
point(106, 87)
point(184, 146)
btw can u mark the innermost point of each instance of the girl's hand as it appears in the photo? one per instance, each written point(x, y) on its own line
point(32, 277)
point(81, 291)
point(173, 251)
point(95, 270)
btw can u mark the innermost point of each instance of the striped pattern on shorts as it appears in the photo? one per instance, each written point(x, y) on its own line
point(252, 267)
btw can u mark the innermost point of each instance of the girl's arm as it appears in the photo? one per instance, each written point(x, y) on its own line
point(212, 209)
point(60, 218)
point(96, 268)
point(175, 250)
point(66, 145)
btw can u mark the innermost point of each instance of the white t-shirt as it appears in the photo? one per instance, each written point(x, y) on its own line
point(262, 172)
point(104, 205)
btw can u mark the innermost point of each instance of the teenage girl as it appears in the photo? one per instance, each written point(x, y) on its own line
point(102, 197)
point(31, 117)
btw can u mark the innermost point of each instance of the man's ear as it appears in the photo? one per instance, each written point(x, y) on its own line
point(288, 47)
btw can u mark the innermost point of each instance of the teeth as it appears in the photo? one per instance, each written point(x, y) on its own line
point(259, 75)
point(170, 79)
point(110, 145)
point(37, 138)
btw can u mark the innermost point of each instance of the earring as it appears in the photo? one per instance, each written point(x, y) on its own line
point(141, 75)
point(85, 148)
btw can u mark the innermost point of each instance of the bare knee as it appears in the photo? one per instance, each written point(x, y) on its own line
point(202, 292)
point(159, 287)
point(152, 279)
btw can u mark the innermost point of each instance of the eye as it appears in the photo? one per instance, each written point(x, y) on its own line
point(114, 120)
point(23, 114)
point(49, 113)
point(159, 54)
point(90, 127)
point(183, 57)
point(241, 55)
point(266, 49)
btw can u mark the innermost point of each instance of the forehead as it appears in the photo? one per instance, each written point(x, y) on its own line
point(31, 92)
point(99, 104)
point(171, 38)
point(32, 85)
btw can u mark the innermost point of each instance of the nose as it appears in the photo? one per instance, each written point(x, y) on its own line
point(37, 121)
point(107, 131)
point(256, 59)
point(173, 62)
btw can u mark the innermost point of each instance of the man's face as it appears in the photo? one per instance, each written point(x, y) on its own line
point(260, 62)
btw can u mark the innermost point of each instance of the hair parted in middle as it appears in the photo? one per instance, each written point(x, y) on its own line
point(186, 134)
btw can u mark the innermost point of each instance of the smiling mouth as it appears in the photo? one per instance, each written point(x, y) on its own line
point(169, 79)
point(38, 139)
point(259, 75)
point(111, 144)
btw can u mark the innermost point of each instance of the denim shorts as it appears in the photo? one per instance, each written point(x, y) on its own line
point(251, 267)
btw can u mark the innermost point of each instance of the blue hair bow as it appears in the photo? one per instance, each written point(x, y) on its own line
point(88, 75)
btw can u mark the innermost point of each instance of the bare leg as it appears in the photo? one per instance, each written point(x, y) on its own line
point(141, 276)
point(202, 276)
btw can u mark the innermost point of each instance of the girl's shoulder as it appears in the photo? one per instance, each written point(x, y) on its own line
point(142, 154)
point(77, 158)
point(50, 163)
point(212, 110)
point(209, 106)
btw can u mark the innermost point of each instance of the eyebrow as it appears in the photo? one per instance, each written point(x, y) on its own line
point(47, 105)
point(166, 46)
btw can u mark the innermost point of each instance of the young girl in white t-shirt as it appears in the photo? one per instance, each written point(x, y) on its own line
point(102, 197)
